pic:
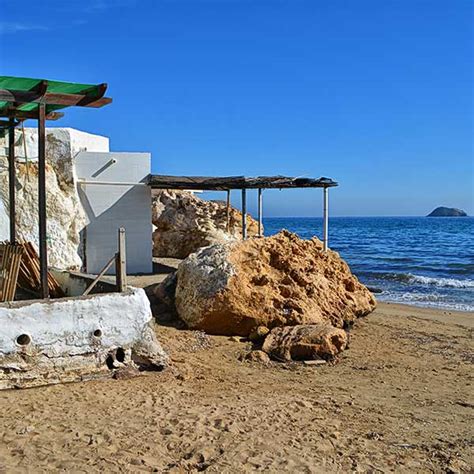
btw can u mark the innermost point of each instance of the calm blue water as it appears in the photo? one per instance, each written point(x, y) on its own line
point(415, 260)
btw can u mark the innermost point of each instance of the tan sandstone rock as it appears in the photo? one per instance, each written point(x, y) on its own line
point(305, 342)
point(282, 280)
point(257, 356)
point(184, 223)
point(258, 333)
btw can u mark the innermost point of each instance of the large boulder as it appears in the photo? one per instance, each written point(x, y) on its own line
point(185, 223)
point(282, 280)
point(305, 342)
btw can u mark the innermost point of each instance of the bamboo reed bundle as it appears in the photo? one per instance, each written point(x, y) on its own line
point(11, 256)
point(29, 275)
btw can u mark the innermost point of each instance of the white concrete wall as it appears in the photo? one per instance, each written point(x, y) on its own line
point(71, 338)
point(83, 141)
point(66, 326)
point(74, 141)
point(110, 206)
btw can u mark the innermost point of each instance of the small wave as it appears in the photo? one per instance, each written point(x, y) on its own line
point(424, 280)
point(426, 301)
point(446, 282)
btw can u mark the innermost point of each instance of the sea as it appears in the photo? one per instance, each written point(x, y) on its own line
point(422, 261)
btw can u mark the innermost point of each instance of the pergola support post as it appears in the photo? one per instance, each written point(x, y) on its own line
point(244, 214)
point(121, 262)
point(260, 212)
point(325, 218)
point(11, 179)
point(43, 249)
point(227, 212)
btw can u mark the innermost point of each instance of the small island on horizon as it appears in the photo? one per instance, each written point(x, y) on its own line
point(447, 212)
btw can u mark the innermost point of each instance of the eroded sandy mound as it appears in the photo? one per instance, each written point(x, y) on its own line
point(276, 281)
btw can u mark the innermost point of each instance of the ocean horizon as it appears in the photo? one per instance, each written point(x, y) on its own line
point(421, 261)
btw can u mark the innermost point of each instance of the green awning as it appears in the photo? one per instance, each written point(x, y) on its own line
point(65, 94)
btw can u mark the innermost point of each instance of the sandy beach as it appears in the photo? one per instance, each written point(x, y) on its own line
point(400, 399)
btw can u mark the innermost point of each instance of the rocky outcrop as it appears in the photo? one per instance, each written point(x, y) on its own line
point(232, 288)
point(185, 223)
point(66, 215)
point(306, 342)
point(447, 212)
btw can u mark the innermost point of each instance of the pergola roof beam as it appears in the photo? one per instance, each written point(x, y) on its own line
point(25, 115)
point(94, 95)
point(53, 98)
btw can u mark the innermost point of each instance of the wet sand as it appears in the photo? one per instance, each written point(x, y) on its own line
point(400, 399)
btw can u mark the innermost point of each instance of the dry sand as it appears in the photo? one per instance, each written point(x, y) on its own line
point(400, 399)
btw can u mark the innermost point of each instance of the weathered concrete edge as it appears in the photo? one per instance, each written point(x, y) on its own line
point(78, 338)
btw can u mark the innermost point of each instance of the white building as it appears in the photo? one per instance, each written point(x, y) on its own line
point(91, 192)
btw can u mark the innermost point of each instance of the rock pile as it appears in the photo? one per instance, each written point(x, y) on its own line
point(185, 223)
point(281, 291)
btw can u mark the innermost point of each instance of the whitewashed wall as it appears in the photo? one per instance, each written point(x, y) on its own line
point(72, 142)
point(110, 205)
point(65, 214)
point(70, 339)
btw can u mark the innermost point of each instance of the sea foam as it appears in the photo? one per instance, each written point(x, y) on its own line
point(444, 282)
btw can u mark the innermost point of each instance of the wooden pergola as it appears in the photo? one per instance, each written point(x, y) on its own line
point(22, 99)
point(227, 183)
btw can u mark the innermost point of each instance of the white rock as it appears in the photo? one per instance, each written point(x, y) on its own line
point(184, 223)
point(66, 216)
point(210, 270)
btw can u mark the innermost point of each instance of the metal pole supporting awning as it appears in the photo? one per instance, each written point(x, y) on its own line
point(325, 218)
point(260, 214)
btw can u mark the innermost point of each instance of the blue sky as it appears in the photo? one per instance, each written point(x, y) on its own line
point(375, 94)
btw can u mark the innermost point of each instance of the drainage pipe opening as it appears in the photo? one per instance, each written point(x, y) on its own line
point(23, 340)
